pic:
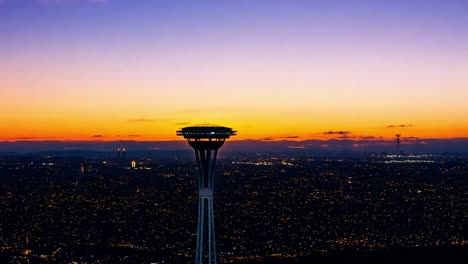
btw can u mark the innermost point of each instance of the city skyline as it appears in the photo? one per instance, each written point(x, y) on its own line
point(117, 70)
point(269, 209)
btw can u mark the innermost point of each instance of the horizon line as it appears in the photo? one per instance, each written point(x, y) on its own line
point(234, 140)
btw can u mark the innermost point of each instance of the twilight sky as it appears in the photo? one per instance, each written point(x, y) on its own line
point(121, 69)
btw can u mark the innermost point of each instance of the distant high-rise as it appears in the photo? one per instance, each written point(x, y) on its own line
point(124, 156)
point(206, 140)
point(398, 145)
point(133, 164)
point(118, 154)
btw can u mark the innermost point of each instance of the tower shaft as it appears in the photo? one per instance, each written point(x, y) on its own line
point(206, 140)
point(206, 244)
point(206, 161)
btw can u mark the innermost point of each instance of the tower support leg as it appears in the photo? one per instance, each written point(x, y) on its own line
point(206, 245)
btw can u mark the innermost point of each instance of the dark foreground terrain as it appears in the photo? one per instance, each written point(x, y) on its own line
point(273, 209)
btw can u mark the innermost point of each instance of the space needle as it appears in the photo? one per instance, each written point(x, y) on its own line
point(206, 140)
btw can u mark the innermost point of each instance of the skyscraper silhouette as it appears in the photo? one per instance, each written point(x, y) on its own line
point(397, 145)
point(206, 140)
point(124, 156)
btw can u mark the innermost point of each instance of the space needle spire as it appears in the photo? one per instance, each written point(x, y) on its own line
point(206, 140)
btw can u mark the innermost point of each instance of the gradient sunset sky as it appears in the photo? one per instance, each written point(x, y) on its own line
point(121, 69)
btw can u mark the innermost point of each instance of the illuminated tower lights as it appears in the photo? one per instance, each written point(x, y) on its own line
point(206, 140)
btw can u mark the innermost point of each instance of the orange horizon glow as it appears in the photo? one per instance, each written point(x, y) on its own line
point(387, 134)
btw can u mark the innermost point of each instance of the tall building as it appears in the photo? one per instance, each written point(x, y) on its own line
point(398, 145)
point(206, 140)
point(118, 154)
point(124, 156)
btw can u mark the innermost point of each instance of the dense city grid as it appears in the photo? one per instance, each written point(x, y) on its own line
point(277, 206)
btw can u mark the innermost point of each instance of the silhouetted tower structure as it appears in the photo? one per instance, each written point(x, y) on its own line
point(398, 145)
point(124, 156)
point(206, 140)
point(118, 154)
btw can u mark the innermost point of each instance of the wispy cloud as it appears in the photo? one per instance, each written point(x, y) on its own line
point(97, 136)
point(278, 138)
point(290, 137)
point(369, 137)
point(24, 138)
point(141, 120)
point(340, 132)
point(182, 123)
point(399, 126)
point(133, 135)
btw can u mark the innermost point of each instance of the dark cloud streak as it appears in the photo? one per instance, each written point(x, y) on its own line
point(399, 126)
point(340, 132)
